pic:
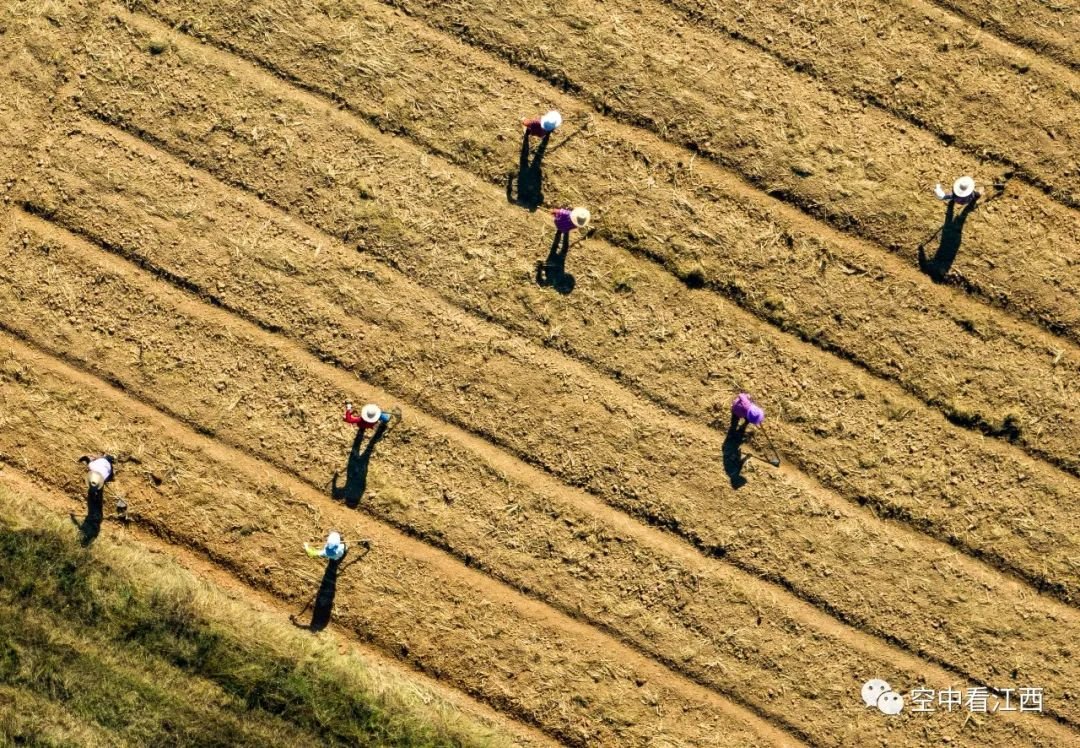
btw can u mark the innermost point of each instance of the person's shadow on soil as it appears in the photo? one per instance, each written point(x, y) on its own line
point(90, 527)
point(734, 459)
point(356, 470)
point(552, 271)
point(951, 231)
point(322, 605)
point(530, 177)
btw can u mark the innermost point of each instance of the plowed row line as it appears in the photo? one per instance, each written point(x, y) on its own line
point(226, 581)
point(217, 340)
point(310, 203)
point(702, 589)
point(514, 653)
point(141, 181)
point(1024, 116)
point(702, 581)
point(879, 315)
point(1027, 23)
point(840, 161)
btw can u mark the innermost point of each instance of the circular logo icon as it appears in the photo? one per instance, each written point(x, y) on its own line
point(890, 703)
point(873, 689)
point(878, 693)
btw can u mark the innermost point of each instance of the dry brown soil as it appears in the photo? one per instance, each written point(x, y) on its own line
point(224, 219)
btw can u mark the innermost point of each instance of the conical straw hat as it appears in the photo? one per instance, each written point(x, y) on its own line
point(580, 217)
point(370, 413)
point(96, 480)
point(963, 187)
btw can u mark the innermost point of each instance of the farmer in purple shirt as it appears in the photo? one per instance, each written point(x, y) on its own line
point(567, 220)
point(552, 272)
point(745, 409)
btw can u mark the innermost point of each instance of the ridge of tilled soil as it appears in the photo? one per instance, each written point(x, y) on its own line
point(515, 654)
point(1051, 29)
point(292, 283)
point(230, 596)
point(38, 43)
point(925, 67)
point(321, 161)
point(849, 299)
point(853, 166)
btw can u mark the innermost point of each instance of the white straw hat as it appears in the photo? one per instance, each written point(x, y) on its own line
point(963, 187)
point(551, 120)
point(370, 413)
point(96, 480)
point(580, 217)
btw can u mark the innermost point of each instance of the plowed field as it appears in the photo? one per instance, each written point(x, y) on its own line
point(224, 219)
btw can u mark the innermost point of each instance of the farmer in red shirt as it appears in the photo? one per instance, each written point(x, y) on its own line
point(371, 415)
point(542, 127)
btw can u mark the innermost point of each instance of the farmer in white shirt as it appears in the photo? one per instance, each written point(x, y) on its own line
point(963, 192)
point(99, 472)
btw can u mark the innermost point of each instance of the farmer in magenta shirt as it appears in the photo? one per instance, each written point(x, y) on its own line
point(552, 272)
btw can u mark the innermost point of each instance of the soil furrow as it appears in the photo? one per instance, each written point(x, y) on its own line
point(662, 598)
point(36, 57)
point(228, 600)
point(1047, 28)
point(237, 32)
point(288, 266)
point(670, 330)
point(513, 653)
point(838, 160)
point(231, 599)
point(822, 287)
point(910, 60)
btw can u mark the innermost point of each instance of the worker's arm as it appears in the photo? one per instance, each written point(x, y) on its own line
point(351, 417)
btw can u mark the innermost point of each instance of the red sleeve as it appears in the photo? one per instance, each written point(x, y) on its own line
point(534, 127)
point(351, 417)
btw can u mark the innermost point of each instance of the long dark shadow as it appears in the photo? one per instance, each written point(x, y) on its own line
point(356, 471)
point(952, 234)
point(552, 271)
point(90, 527)
point(322, 605)
point(530, 176)
point(733, 457)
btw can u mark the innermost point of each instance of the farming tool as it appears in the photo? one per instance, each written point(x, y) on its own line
point(775, 460)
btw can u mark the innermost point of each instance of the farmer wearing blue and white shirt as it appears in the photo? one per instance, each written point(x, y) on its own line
point(334, 549)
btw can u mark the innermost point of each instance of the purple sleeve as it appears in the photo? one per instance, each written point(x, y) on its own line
point(741, 407)
point(562, 221)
